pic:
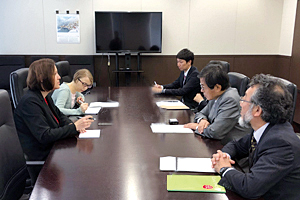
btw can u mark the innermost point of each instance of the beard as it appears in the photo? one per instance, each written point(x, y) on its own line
point(244, 121)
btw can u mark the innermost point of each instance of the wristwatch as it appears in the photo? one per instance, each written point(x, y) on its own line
point(222, 170)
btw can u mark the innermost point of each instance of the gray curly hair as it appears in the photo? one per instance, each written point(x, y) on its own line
point(273, 98)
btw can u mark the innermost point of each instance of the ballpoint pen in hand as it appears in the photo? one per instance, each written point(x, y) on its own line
point(80, 101)
point(155, 83)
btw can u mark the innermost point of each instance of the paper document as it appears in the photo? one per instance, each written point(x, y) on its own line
point(108, 104)
point(90, 134)
point(164, 128)
point(172, 104)
point(167, 163)
point(170, 163)
point(92, 110)
point(194, 183)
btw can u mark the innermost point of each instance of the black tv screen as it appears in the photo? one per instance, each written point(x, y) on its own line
point(128, 32)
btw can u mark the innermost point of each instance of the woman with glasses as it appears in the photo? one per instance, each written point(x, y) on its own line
point(69, 98)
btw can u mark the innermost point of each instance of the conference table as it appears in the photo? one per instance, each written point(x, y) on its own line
point(124, 162)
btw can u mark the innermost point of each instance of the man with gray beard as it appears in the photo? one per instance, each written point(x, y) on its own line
point(273, 148)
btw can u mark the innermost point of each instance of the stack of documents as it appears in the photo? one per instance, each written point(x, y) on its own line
point(164, 128)
point(108, 104)
point(170, 163)
point(92, 110)
point(194, 183)
point(90, 134)
point(172, 105)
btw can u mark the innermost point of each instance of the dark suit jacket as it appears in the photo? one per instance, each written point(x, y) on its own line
point(275, 173)
point(189, 90)
point(36, 126)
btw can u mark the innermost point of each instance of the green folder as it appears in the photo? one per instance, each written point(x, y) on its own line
point(194, 183)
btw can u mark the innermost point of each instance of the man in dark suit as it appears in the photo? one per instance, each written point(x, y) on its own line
point(187, 84)
point(273, 148)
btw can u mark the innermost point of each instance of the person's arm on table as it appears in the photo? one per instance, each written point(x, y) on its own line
point(187, 88)
point(226, 119)
point(271, 167)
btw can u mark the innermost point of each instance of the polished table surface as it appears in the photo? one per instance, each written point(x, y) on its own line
point(124, 162)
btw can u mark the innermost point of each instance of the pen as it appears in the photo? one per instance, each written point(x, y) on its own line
point(80, 101)
point(155, 83)
point(88, 118)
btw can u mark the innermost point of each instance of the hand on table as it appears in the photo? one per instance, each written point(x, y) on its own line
point(221, 159)
point(156, 89)
point(84, 123)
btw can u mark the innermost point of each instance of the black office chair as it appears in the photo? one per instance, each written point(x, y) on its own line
point(13, 169)
point(239, 81)
point(292, 88)
point(18, 85)
point(225, 65)
point(80, 62)
point(63, 69)
point(34, 58)
point(9, 64)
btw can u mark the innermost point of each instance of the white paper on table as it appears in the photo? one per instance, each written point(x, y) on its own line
point(167, 163)
point(182, 164)
point(92, 110)
point(164, 128)
point(108, 104)
point(90, 134)
point(170, 103)
point(194, 165)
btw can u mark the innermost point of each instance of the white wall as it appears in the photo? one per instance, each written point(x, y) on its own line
point(206, 27)
point(287, 27)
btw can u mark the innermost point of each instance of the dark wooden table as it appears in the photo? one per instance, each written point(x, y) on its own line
point(124, 162)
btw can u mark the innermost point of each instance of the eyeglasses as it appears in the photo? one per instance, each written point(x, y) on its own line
point(85, 84)
point(241, 99)
point(202, 86)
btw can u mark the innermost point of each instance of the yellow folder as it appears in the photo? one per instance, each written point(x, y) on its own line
point(194, 183)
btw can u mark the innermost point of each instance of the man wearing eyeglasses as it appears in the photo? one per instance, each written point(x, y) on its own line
point(219, 118)
point(273, 148)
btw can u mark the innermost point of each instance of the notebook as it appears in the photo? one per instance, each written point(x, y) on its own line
point(194, 183)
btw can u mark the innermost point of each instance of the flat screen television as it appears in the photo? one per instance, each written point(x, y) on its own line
point(128, 32)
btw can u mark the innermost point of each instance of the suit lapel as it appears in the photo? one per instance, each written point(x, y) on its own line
point(255, 155)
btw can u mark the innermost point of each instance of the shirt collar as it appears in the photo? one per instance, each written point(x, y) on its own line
point(258, 133)
point(187, 71)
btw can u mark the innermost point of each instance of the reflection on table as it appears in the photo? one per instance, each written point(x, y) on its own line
point(124, 162)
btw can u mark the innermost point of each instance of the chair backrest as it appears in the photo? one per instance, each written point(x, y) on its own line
point(225, 65)
point(13, 169)
point(34, 58)
point(292, 88)
point(239, 81)
point(9, 64)
point(80, 62)
point(18, 85)
point(63, 69)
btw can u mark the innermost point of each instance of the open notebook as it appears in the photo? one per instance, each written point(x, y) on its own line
point(185, 164)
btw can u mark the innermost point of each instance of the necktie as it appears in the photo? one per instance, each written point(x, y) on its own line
point(252, 150)
point(183, 79)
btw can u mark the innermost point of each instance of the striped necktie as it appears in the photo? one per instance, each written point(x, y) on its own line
point(252, 150)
